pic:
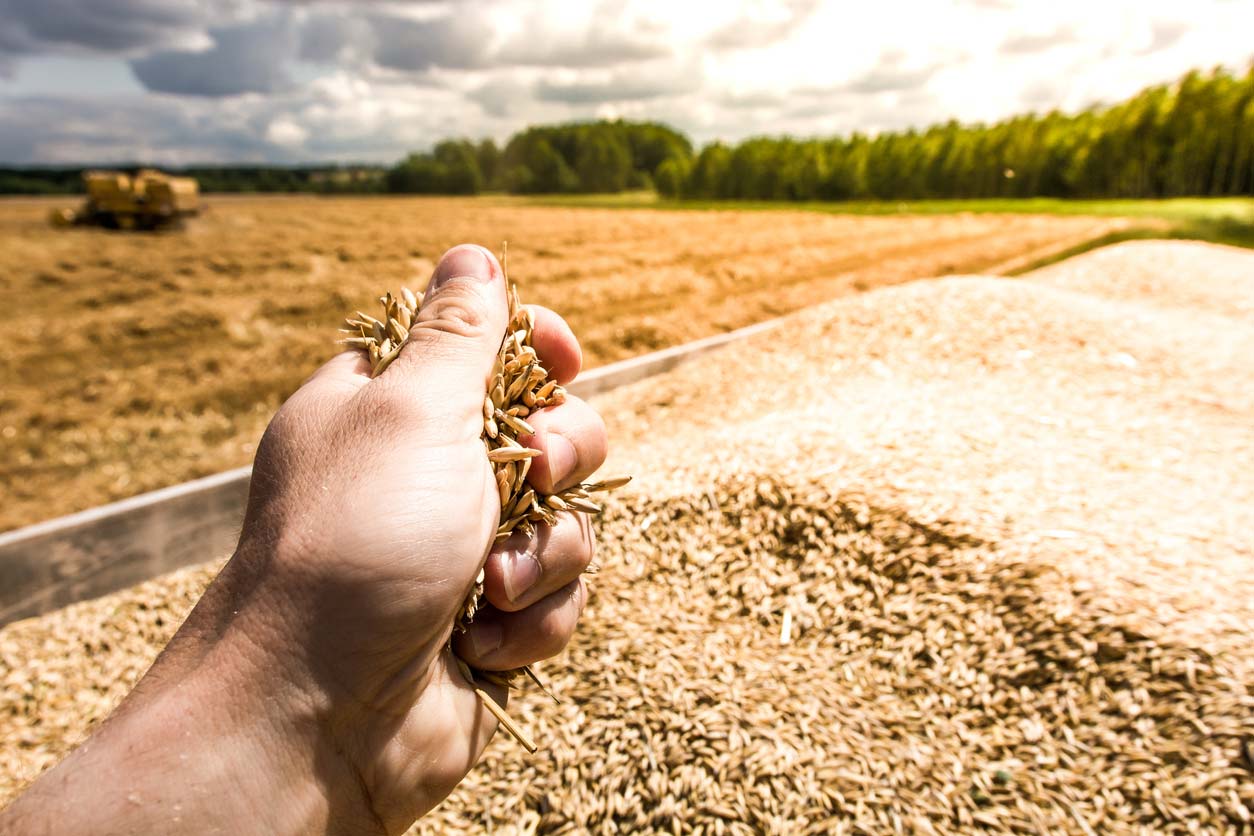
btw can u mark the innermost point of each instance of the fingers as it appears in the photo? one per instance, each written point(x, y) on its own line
point(525, 569)
point(572, 442)
point(501, 641)
point(453, 343)
point(555, 344)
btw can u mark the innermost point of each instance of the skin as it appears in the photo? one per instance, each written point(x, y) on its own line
point(311, 689)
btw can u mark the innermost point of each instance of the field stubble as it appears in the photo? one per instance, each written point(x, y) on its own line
point(132, 362)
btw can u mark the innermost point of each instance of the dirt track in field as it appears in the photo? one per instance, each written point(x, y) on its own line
point(131, 362)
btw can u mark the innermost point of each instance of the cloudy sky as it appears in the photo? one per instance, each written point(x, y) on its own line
point(181, 81)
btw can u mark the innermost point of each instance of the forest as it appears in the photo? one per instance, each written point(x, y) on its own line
point(1194, 137)
point(589, 157)
point(1191, 138)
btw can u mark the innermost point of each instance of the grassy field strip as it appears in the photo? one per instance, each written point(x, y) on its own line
point(1222, 220)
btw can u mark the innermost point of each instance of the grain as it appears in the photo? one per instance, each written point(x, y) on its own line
point(518, 382)
point(1013, 607)
point(501, 455)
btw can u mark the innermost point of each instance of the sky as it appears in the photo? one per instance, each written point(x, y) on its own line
point(178, 82)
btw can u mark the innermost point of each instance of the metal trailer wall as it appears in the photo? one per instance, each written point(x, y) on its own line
point(52, 564)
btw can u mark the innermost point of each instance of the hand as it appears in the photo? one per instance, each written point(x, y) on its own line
point(321, 650)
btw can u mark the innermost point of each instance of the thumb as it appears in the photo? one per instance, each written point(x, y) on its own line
point(455, 339)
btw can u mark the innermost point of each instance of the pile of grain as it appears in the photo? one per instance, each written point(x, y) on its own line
point(964, 553)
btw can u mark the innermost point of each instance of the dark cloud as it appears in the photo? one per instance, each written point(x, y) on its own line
point(609, 41)
point(755, 31)
point(454, 41)
point(325, 38)
point(460, 41)
point(162, 38)
point(248, 58)
point(620, 87)
point(171, 131)
point(1030, 42)
point(503, 97)
point(36, 26)
point(372, 79)
point(161, 130)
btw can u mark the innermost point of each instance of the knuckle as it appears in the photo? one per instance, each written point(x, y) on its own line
point(291, 428)
point(558, 623)
point(584, 547)
point(457, 310)
point(554, 640)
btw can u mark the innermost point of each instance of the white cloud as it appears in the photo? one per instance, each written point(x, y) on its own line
point(286, 132)
point(333, 79)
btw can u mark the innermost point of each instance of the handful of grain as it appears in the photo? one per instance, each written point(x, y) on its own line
point(520, 385)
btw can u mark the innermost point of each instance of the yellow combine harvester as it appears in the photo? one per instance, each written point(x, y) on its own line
point(147, 200)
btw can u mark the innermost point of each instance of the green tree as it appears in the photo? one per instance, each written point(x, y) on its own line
point(671, 177)
point(489, 158)
point(602, 161)
point(709, 172)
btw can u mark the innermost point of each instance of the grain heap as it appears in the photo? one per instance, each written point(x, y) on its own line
point(519, 385)
point(925, 561)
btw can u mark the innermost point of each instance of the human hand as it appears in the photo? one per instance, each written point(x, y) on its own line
point(321, 650)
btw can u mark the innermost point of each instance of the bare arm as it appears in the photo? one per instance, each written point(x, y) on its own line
point(312, 688)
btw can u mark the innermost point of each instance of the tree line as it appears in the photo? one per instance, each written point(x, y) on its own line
point(53, 180)
point(588, 157)
point(1192, 137)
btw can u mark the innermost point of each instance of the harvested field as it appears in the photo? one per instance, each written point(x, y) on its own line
point(129, 363)
point(1006, 521)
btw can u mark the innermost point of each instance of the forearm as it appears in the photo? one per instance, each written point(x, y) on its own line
point(202, 745)
point(162, 767)
point(313, 688)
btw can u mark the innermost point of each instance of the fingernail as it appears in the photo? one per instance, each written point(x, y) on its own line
point(519, 572)
point(485, 637)
point(467, 261)
point(559, 455)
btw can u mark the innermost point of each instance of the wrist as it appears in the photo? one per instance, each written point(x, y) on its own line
point(236, 679)
point(228, 731)
point(212, 759)
point(187, 752)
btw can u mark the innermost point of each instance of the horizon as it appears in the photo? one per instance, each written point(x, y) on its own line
point(127, 164)
point(274, 84)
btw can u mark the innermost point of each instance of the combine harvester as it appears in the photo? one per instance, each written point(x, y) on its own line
point(148, 200)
